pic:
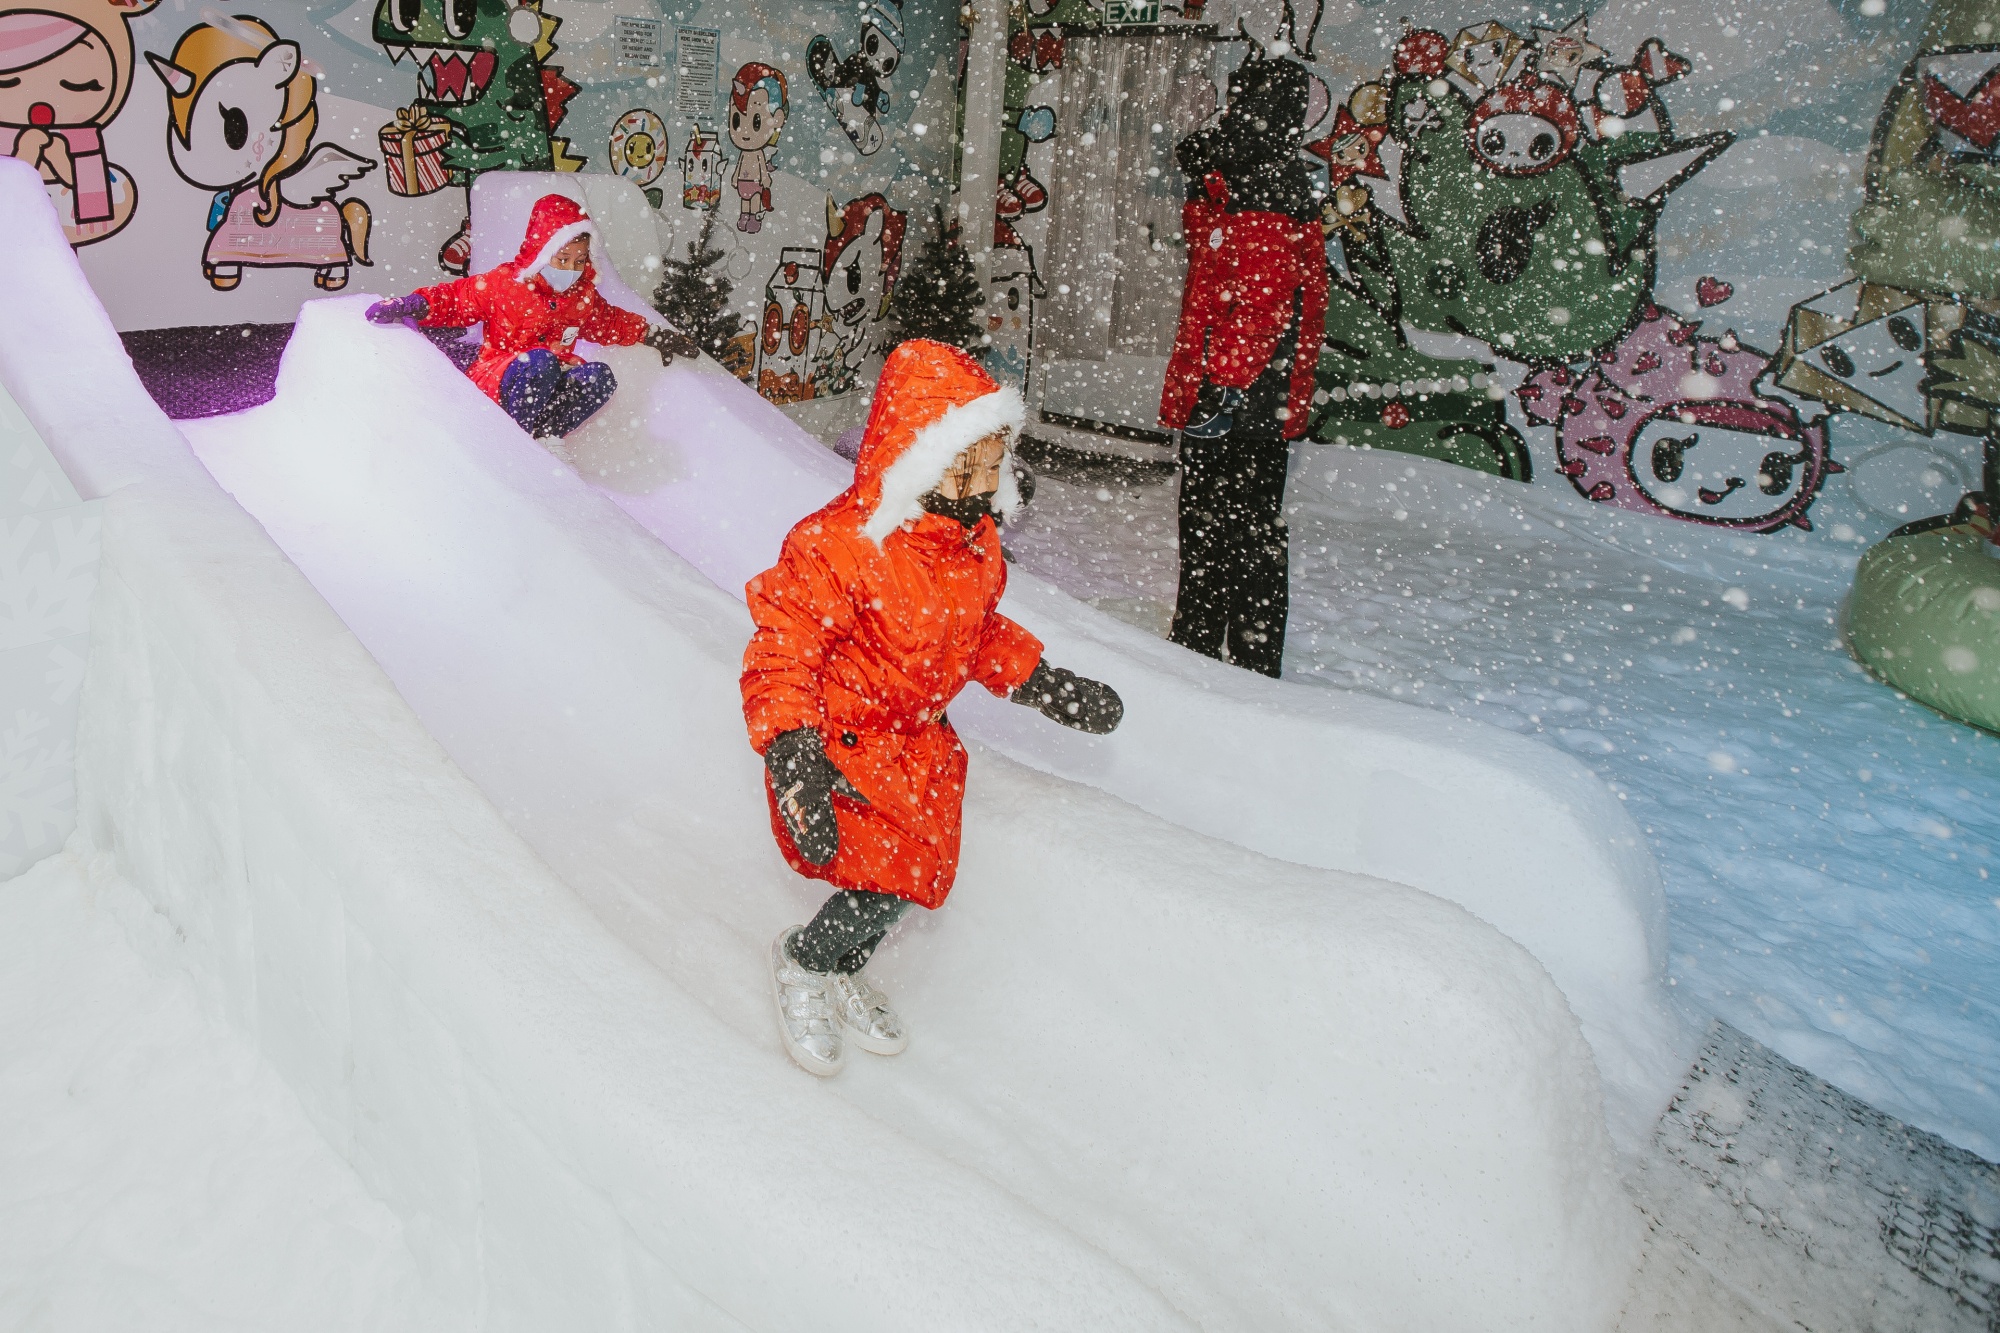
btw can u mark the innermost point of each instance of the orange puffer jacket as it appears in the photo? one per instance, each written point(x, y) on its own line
point(877, 614)
point(519, 308)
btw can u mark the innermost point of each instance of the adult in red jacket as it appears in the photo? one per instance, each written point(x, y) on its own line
point(1240, 382)
point(535, 308)
point(881, 608)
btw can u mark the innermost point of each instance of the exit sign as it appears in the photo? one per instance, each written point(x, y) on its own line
point(1118, 12)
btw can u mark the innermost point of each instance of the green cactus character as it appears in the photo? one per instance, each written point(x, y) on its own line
point(482, 65)
point(1496, 188)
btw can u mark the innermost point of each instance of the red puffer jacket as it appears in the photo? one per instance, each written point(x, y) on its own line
point(519, 308)
point(1243, 271)
point(877, 614)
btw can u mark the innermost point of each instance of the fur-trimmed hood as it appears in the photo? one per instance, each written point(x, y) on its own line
point(555, 222)
point(931, 401)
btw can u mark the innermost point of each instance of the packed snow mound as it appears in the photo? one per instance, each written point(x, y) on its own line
point(1518, 832)
point(1410, 1125)
point(141, 1137)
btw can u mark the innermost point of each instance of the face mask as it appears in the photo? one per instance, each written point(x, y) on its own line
point(561, 278)
point(968, 510)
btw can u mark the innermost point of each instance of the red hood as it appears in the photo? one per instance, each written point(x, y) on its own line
point(931, 401)
point(555, 222)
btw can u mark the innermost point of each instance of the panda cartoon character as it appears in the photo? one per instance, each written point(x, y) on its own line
point(856, 89)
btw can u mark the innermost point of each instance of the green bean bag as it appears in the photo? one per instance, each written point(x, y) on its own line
point(1925, 617)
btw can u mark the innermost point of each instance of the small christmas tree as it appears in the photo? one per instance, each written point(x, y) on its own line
point(936, 298)
point(694, 296)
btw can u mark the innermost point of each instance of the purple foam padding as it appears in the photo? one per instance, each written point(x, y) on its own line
point(208, 370)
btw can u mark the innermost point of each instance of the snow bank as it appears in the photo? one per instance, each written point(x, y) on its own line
point(578, 1139)
point(155, 1172)
point(1519, 833)
point(572, 1140)
point(1401, 1091)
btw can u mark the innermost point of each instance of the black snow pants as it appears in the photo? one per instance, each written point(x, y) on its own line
point(842, 936)
point(1235, 585)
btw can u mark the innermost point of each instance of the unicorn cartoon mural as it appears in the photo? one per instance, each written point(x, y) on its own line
point(65, 71)
point(241, 119)
point(864, 249)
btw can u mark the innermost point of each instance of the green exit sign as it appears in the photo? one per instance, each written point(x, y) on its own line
point(1131, 11)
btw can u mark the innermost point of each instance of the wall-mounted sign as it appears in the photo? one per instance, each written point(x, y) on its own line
point(697, 65)
point(1118, 13)
point(639, 40)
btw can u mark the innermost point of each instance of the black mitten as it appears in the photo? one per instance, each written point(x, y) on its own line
point(670, 343)
point(805, 781)
point(1075, 701)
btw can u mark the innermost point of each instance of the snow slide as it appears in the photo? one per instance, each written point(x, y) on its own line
point(1518, 832)
point(1271, 1095)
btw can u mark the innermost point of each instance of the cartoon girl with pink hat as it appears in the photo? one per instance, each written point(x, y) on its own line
point(757, 111)
point(64, 74)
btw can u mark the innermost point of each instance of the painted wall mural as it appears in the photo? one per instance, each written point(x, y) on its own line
point(759, 104)
point(856, 87)
point(816, 331)
point(242, 115)
point(311, 146)
point(65, 72)
point(485, 69)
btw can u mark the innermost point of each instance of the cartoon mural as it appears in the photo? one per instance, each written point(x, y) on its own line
point(1485, 163)
point(1507, 188)
point(638, 151)
point(241, 119)
point(758, 107)
point(701, 171)
point(483, 68)
point(65, 71)
point(856, 89)
point(821, 306)
point(1669, 422)
point(864, 248)
point(1010, 316)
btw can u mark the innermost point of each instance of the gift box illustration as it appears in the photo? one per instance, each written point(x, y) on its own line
point(413, 151)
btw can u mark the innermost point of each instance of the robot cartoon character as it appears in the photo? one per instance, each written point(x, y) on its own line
point(856, 89)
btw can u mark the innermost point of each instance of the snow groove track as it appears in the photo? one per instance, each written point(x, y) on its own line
point(1520, 834)
point(1196, 1084)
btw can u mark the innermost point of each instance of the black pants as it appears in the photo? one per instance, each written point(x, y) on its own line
point(1235, 569)
point(844, 933)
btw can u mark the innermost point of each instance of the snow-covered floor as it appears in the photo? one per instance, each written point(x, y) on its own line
point(1828, 848)
point(155, 1173)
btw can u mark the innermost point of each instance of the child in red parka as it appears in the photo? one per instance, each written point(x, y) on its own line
point(881, 608)
point(535, 308)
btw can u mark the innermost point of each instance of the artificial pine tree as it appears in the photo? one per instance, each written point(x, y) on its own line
point(936, 298)
point(694, 296)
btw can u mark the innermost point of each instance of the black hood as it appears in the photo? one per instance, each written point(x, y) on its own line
point(1254, 145)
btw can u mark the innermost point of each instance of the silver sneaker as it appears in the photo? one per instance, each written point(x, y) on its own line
point(805, 1011)
point(864, 1011)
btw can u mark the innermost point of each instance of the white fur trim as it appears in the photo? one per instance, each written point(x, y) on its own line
point(923, 463)
point(561, 237)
